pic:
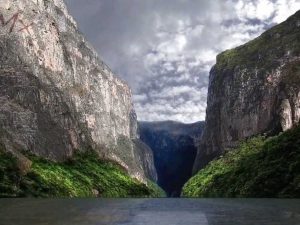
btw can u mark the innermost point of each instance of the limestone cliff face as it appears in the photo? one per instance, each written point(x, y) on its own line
point(254, 89)
point(56, 95)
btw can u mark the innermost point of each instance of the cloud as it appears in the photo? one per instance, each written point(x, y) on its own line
point(165, 50)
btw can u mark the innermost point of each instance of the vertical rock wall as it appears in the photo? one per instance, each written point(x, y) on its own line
point(253, 89)
point(56, 95)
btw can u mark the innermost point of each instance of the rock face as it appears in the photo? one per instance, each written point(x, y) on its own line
point(253, 89)
point(56, 95)
point(174, 149)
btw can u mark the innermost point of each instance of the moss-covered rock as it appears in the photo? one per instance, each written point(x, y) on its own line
point(85, 175)
point(259, 167)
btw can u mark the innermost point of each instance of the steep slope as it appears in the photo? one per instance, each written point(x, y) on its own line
point(259, 167)
point(85, 175)
point(174, 149)
point(253, 89)
point(56, 95)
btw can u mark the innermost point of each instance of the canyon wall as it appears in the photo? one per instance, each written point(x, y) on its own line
point(57, 96)
point(253, 89)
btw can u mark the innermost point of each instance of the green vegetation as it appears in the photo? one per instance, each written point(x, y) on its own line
point(157, 192)
point(259, 167)
point(83, 176)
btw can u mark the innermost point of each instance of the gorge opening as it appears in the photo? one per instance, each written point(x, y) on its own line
point(174, 149)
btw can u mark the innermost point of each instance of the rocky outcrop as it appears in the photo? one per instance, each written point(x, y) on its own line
point(56, 95)
point(173, 145)
point(253, 89)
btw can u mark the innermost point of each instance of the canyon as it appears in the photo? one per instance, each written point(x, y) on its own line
point(174, 149)
point(60, 102)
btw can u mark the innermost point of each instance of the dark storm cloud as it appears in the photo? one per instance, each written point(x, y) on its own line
point(164, 49)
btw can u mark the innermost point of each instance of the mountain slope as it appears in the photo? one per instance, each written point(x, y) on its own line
point(85, 175)
point(57, 96)
point(173, 145)
point(253, 89)
point(259, 167)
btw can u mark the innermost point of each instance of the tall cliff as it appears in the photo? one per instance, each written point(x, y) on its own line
point(253, 89)
point(174, 148)
point(56, 95)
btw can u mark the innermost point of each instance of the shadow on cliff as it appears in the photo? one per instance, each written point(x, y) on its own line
point(174, 148)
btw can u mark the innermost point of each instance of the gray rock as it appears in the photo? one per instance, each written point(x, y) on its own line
point(56, 95)
point(253, 89)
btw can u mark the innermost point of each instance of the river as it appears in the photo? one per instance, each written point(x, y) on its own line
point(149, 212)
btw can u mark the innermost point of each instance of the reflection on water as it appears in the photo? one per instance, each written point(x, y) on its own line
point(149, 212)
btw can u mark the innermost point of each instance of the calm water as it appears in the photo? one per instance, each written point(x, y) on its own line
point(149, 212)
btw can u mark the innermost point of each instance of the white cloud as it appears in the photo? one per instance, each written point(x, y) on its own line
point(260, 9)
point(264, 9)
point(285, 8)
point(165, 50)
point(140, 98)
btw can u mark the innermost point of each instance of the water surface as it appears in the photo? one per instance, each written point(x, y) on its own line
point(149, 212)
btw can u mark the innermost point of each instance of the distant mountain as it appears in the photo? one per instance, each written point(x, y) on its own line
point(174, 150)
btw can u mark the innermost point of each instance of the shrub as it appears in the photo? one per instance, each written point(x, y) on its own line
point(259, 167)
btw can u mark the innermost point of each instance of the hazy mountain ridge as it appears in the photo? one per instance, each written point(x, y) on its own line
point(176, 128)
point(173, 145)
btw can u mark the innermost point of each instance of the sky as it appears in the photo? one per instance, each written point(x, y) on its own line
point(164, 49)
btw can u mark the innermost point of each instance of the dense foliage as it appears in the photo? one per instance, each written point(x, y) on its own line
point(83, 176)
point(259, 167)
